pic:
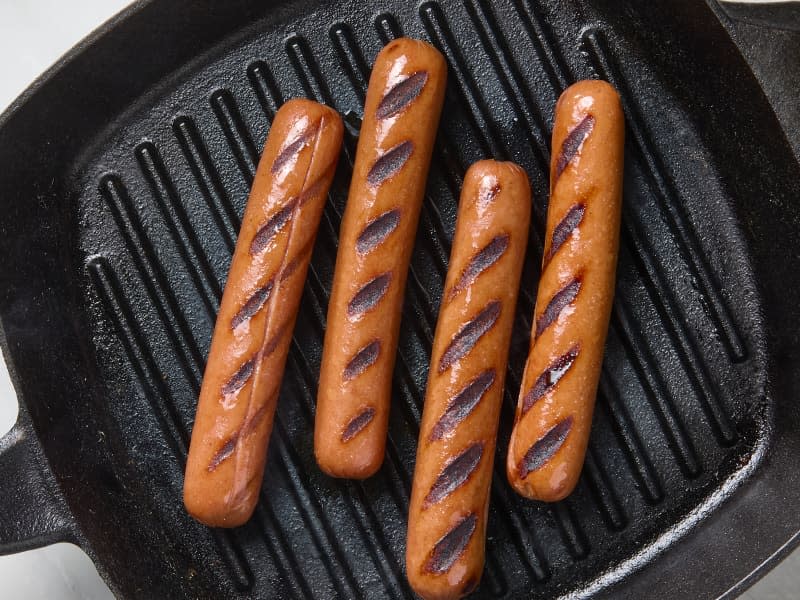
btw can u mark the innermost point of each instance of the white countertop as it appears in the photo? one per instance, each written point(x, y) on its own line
point(33, 34)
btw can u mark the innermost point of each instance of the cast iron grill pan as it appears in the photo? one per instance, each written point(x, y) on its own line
point(150, 204)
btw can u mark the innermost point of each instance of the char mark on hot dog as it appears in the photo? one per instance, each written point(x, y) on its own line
point(564, 230)
point(545, 447)
point(455, 474)
point(369, 295)
point(377, 230)
point(483, 259)
point(389, 163)
point(549, 378)
point(452, 545)
point(462, 404)
point(472, 331)
point(359, 422)
point(362, 360)
point(572, 144)
point(401, 95)
point(563, 298)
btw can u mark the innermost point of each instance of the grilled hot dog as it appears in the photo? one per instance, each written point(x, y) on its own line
point(401, 114)
point(254, 326)
point(453, 473)
point(573, 304)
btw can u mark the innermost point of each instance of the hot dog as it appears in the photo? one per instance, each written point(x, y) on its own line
point(573, 304)
point(401, 114)
point(455, 455)
point(254, 326)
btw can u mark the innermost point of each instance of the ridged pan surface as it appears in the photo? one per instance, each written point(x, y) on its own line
point(159, 197)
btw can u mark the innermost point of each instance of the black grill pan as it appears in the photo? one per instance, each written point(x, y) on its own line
point(124, 174)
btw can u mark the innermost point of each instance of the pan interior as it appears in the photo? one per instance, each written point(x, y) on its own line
point(680, 418)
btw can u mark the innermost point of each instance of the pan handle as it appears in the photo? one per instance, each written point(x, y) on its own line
point(33, 512)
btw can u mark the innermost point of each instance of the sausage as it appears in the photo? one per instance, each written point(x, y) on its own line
point(455, 455)
point(576, 288)
point(254, 326)
point(401, 115)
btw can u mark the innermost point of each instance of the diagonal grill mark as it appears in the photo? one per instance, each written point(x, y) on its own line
point(294, 148)
point(363, 359)
point(260, 297)
point(312, 190)
point(250, 424)
point(549, 378)
point(390, 162)
point(572, 144)
point(451, 545)
point(222, 454)
point(545, 447)
point(298, 259)
point(401, 95)
point(558, 303)
point(238, 379)
point(369, 295)
point(462, 404)
point(273, 342)
point(246, 429)
point(228, 448)
point(455, 474)
point(253, 304)
point(482, 260)
point(278, 221)
point(358, 423)
point(272, 227)
point(564, 229)
point(377, 230)
point(466, 338)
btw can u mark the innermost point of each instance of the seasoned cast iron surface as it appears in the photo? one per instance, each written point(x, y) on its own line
point(159, 197)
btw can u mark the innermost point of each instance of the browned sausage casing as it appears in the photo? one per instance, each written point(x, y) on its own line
point(401, 114)
point(254, 326)
point(556, 401)
point(453, 473)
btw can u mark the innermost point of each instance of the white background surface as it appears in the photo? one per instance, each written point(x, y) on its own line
point(33, 34)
